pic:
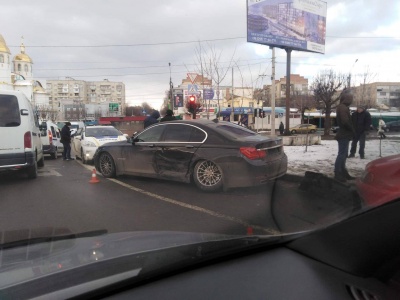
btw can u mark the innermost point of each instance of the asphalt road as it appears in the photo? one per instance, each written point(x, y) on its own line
point(63, 197)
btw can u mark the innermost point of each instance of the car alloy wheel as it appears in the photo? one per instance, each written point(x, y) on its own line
point(293, 131)
point(208, 176)
point(106, 165)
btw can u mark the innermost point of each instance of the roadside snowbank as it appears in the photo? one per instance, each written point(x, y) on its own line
point(321, 158)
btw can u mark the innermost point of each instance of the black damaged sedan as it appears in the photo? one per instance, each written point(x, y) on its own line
point(213, 154)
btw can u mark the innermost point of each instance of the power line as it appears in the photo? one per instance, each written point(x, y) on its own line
point(187, 42)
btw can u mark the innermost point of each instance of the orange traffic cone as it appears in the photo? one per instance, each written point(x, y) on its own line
point(94, 177)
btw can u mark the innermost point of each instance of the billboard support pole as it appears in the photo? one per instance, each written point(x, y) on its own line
point(288, 62)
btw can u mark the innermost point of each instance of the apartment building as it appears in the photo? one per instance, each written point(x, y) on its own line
point(73, 97)
point(378, 94)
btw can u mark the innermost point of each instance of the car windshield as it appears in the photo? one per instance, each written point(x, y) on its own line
point(186, 122)
point(101, 131)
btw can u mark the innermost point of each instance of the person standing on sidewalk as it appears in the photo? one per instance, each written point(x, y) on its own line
point(361, 122)
point(344, 135)
point(66, 141)
point(381, 129)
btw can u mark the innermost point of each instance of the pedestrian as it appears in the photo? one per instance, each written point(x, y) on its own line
point(152, 119)
point(169, 116)
point(344, 135)
point(361, 122)
point(244, 121)
point(66, 141)
point(381, 129)
point(281, 128)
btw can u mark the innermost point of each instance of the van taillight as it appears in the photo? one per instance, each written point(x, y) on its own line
point(50, 137)
point(27, 140)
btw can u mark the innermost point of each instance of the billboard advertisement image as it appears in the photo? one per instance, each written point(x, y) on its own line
point(294, 24)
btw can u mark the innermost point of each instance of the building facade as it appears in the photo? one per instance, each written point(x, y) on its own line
point(86, 99)
point(382, 95)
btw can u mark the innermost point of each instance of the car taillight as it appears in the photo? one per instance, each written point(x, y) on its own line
point(27, 140)
point(253, 153)
point(50, 137)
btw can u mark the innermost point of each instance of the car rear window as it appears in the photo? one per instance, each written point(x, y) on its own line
point(9, 111)
point(235, 130)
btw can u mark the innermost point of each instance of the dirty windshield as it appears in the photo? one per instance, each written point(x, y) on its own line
point(249, 118)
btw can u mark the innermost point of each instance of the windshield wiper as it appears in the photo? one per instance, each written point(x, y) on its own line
point(47, 239)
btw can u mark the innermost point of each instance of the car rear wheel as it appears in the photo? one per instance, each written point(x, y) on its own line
point(208, 176)
point(32, 171)
point(293, 131)
point(106, 165)
point(83, 157)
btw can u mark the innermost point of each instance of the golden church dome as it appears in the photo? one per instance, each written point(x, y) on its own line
point(3, 45)
point(23, 56)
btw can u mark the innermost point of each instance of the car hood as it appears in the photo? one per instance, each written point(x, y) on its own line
point(45, 256)
point(101, 140)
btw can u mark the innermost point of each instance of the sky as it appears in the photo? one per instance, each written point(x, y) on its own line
point(145, 43)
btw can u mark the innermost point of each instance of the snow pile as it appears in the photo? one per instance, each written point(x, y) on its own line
point(321, 158)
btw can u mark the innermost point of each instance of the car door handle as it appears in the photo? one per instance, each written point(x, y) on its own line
point(189, 146)
point(152, 146)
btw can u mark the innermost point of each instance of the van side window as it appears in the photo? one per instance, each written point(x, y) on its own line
point(53, 131)
point(9, 111)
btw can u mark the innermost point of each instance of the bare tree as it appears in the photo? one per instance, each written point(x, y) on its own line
point(326, 87)
point(211, 65)
point(361, 96)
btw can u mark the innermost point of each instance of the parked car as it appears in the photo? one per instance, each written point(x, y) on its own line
point(303, 128)
point(87, 139)
point(214, 154)
point(20, 147)
point(380, 181)
point(50, 135)
point(392, 126)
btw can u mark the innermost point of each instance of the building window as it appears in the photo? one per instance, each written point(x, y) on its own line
point(19, 67)
point(1, 58)
point(382, 93)
point(26, 68)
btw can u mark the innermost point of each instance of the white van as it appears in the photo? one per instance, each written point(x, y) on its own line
point(20, 146)
point(50, 135)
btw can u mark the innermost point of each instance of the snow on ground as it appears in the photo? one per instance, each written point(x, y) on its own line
point(321, 158)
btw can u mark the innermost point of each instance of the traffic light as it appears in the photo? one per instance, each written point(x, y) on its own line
point(192, 99)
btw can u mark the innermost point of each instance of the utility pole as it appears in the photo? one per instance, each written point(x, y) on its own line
point(233, 106)
point(273, 93)
point(170, 104)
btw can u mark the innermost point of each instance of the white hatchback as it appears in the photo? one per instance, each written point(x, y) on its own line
point(87, 139)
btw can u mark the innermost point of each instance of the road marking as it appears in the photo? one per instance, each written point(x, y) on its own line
point(192, 207)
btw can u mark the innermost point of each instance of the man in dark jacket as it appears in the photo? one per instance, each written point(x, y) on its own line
point(152, 119)
point(169, 116)
point(361, 123)
point(66, 141)
point(344, 135)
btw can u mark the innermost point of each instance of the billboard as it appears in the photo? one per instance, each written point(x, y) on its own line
point(294, 24)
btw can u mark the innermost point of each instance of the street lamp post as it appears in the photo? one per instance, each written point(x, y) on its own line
point(349, 77)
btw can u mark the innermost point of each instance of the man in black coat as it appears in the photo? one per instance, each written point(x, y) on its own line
point(361, 123)
point(169, 116)
point(152, 119)
point(344, 135)
point(66, 141)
